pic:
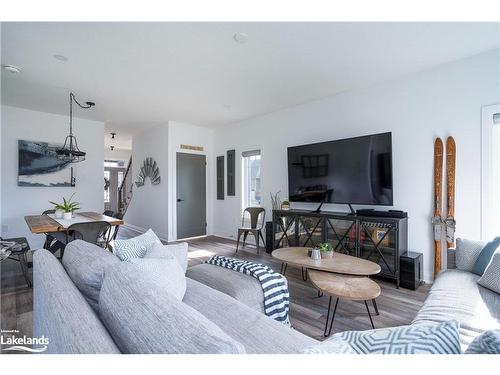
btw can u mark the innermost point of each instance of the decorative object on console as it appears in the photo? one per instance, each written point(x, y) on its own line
point(276, 200)
point(39, 165)
point(67, 207)
point(70, 152)
point(285, 205)
point(411, 265)
point(149, 169)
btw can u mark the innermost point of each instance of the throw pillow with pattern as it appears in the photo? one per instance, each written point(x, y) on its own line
point(413, 339)
point(135, 247)
point(491, 276)
point(467, 252)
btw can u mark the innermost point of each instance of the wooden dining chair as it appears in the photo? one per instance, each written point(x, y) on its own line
point(252, 221)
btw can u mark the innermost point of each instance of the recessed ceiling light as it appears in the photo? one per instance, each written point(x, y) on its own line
point(227, 106)
point(11, 69)
point(60, 57)
point(240, 37)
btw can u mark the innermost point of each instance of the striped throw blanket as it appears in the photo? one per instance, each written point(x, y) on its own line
point(274, 285)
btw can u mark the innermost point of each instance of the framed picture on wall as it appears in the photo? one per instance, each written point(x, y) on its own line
point(39, 165)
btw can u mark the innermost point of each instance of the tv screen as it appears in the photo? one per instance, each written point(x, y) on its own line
point(347, 171)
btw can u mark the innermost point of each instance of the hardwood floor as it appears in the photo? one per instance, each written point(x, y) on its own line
point(307, 311)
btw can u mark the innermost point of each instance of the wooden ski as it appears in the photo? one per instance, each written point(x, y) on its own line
point(450, 192)
point(437, 220)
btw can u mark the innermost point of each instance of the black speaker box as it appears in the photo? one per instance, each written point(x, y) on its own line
point(411, 264)
point(269, 236)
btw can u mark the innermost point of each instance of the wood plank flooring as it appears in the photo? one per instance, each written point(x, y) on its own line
point(307, 311)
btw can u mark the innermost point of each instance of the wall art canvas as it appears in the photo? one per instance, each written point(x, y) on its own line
point(39, 165)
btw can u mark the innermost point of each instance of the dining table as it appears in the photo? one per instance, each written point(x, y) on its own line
point(49, 223)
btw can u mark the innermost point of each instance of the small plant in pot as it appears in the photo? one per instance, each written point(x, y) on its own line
point(67, 207)
point(285, 205)
point(326, 250)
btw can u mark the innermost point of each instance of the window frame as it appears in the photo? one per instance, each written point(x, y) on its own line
point(249, 150)
point(487, 180)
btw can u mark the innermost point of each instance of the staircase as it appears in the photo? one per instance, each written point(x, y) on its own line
point(125, 190)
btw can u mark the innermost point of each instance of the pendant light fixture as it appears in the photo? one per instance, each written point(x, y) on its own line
point(70, 151)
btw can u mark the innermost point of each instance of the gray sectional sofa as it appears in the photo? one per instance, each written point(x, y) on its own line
point(221, 312)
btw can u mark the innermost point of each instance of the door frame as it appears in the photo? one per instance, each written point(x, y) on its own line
point(172, 188)
point(487, 113)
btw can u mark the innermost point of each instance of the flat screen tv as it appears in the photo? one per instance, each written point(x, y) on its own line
point(345, 171)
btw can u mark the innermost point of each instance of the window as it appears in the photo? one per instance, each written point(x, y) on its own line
point(490, 172)
point(251, 165)
point(106, 186)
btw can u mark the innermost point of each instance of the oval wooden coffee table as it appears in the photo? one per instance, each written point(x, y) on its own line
point(339, 263)
point(341, 276)
point(350, 287)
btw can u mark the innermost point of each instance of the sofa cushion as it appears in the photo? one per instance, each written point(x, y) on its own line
point(333, 345)
point(456, 295)
point(165, 273)
point(486, 343)
point(244, 288)
point(467, 252)
point(61, 313)
point(85, 264)
point(491, 276)
point(414, 339)
point(177, 251)
point(258, 333)
point(135, 247)
point(485, 256)
point(144, 318)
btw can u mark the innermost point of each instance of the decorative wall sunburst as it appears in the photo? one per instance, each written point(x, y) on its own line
point(149, 169)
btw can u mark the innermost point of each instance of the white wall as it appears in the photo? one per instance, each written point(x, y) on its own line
point(117, 154)
point(149, 205)
point(19, 201)
point(181, 133)
point(440, 102)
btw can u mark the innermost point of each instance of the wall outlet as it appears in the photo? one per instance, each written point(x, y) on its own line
point(5, 228)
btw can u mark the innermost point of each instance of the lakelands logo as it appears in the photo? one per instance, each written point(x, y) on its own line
point(10, 342)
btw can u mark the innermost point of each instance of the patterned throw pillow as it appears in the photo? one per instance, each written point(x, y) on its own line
point(486, 343)
point(491, 276)
point(135, 247)
point(333, 345)
point(467, 252)
point(485, 256)
point(413, 339)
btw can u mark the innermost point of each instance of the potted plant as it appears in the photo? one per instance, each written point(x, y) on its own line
point(67, 207)
point(285, 205)
point(326, 250)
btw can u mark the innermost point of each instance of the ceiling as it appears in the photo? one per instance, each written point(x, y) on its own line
point(141, 74)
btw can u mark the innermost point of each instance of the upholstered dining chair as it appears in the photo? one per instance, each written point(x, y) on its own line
point(252, 221)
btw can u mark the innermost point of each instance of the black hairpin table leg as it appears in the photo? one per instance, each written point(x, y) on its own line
point(304, 274)
point(369, 314)
point(328, 316)
point(375, 307)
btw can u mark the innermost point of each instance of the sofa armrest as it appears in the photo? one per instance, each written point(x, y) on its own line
point(451, 264)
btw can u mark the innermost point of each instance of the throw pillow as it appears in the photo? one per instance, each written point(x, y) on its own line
point(177, 251)
point(467, 252)
point(413, 339)
point(85, 264)
point(333, 345)
point(142, 318)
point(486, 343)
point(135, 247)
point(165, 273)
point(491, 276)
point(485, 256)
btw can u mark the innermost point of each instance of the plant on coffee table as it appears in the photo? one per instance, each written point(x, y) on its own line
point(326, 250)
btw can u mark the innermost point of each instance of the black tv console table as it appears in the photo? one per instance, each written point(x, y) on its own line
point(379, 239)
